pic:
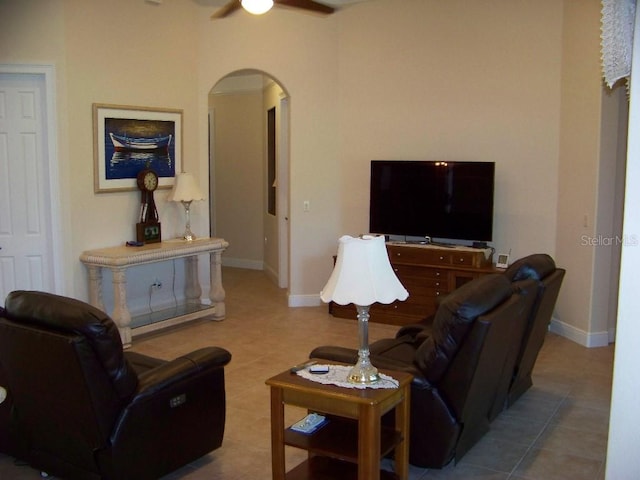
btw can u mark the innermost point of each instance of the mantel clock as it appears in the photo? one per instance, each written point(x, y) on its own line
point(148, 226)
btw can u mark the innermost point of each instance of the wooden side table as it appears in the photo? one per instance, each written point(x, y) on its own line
point(354, 438)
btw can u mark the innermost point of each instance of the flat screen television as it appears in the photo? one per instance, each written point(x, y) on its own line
point(446, 200)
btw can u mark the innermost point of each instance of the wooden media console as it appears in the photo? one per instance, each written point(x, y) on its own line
point(428, 272)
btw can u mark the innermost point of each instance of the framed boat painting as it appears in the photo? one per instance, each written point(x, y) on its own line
point(128, 139)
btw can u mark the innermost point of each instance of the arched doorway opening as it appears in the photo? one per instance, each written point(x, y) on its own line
point(249, 171)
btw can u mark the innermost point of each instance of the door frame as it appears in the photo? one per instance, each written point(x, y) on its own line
point(282, 201)
point(283, 161)
point(48, 73)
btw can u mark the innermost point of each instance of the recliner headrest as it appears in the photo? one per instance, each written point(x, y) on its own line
point(70, 315)
point(536, 267)
point(454, 318)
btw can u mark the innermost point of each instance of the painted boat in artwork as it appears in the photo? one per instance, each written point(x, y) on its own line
point(122, 142)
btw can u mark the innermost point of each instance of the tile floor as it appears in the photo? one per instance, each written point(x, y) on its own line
point(556, 431)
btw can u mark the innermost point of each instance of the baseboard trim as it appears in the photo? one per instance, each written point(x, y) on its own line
point(586, 339)
point(304, 300)
point(242, 263)
point(271, 274)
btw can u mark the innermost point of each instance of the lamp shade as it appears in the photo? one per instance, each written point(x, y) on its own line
point(185, 189)
point(363, 274)
point(257, 7)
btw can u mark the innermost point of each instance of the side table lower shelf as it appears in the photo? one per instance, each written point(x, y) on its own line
point(323, 468)
point(338, 439)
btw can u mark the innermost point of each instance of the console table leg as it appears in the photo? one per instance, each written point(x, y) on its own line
point(217, 293)
point(95, 287)
point(121, 314)
point(192, 289)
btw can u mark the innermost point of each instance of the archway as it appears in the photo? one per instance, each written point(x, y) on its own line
point(249, 171)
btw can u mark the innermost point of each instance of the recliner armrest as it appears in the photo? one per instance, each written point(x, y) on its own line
point(336, 354)
point(414, 329)
point(177, 411)
point(385, 363)
point(176, 370)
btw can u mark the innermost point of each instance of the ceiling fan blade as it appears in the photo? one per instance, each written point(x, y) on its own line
point(228, 9)
point(306, 5)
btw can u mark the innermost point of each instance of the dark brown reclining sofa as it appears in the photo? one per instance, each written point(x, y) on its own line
point(470, 359)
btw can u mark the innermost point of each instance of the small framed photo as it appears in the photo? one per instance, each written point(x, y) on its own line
point(503, 260)
point(128, 139)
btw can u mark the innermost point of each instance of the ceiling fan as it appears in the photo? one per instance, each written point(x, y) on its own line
point(264, 5)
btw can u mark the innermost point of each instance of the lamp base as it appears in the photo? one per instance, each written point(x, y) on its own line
point(363, 372)
point(188, 236)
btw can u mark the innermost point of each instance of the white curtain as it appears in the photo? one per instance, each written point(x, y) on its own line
point(618, 18)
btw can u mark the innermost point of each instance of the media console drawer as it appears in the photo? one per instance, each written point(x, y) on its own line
point(430, 255)
point(428, 273)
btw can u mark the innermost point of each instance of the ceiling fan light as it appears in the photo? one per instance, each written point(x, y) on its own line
point(257, 7)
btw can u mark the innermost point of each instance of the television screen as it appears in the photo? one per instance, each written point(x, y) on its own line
point(449, 200)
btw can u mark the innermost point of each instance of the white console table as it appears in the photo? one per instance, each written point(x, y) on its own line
point(118, 259)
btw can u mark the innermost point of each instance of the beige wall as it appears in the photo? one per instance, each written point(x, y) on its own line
point(238, 173)
point(299, 52)
point(477, 81)
point(239, 103)
point(517, 83)
point(609, 211)
point(48, 47)
point(587, 180)
point(131, 61)
point(457, 81)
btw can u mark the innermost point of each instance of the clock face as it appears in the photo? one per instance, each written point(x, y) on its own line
point(150, 181)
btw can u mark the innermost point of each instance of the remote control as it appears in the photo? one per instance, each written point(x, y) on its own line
point(309, 424)
point(302, 366)
point(319, 369)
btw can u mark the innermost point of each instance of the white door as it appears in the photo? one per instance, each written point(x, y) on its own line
point(26, 255)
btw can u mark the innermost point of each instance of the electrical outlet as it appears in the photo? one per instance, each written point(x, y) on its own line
point(156, 284)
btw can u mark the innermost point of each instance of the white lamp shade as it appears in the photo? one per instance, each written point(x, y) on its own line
point(185, 189)
point(257, 7)
point(363, 274)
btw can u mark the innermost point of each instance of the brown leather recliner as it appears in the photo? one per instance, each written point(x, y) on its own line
point(5, 408)
point(82, 408)
point(455, 364)
point(542, 269)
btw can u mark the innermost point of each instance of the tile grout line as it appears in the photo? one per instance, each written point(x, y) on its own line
point(530, 448)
